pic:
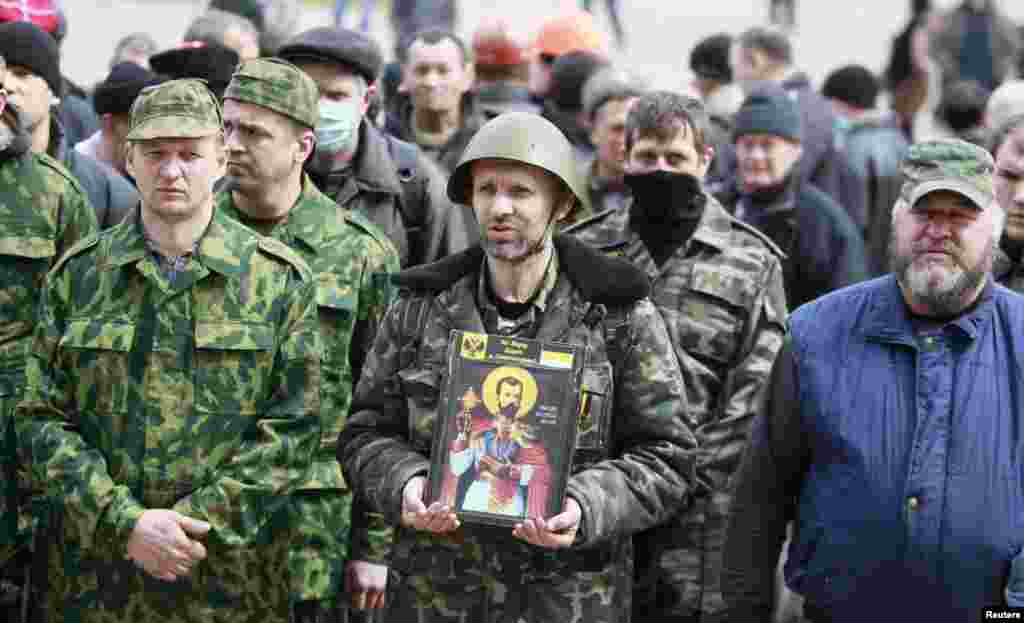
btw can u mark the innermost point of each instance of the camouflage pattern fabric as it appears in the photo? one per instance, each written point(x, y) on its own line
point(183, 108)
point(352, 262)
point(632, 469)
point(43, 212)
point(279, 86)
point(948, 164)
point(201, 397)
point(723, 302)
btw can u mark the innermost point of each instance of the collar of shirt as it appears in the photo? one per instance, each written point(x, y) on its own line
point(528, 322)
point(170, 265)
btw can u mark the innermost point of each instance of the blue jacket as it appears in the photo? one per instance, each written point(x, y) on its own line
point(900, 455)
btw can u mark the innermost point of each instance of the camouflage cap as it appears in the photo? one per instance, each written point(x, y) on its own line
point(278, 85)
point(175, 109)
point(949, 164)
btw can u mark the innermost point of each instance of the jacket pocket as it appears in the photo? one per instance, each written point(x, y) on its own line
point(232, 363)
point(336, 309)
point(422, 389)
point(593, 422)
point(99, 352)
point(711, 314)
point(824, 565)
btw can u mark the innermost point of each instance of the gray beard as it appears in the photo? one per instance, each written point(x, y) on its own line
point(949, 301)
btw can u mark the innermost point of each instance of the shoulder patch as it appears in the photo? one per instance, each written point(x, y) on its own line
point(757, 233)
point(281, 251)
point(58, 168)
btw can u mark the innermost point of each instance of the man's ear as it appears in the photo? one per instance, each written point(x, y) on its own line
point(307, 144)
point(128, 164)
point(469, 78)
point(706, 158)
point(367, 98)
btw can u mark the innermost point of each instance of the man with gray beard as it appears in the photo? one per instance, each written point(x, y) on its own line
point(893, 426)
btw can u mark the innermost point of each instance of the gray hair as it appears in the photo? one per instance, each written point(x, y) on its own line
point(771, 42)
point(137, 43)
point(215, 23)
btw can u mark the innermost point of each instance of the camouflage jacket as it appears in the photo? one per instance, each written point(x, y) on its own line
point(351, 261)
point(633, 466)
point(721, 295)
point(1007, 271)
point(44, 212)
point(402, 192)
point(199, 395)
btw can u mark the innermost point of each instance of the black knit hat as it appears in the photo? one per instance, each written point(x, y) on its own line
point(335, 45)
point(208, 61)
point(569, 73)
point(26, 45)
point(117, 92)
point(854, 85)
point(709, 59)
point(768, 109)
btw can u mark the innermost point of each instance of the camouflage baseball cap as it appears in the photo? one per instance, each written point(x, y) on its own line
point(278, 85)
point(949, 164)
point(175, 109)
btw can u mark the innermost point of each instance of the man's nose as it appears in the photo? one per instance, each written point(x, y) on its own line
point(170, 168)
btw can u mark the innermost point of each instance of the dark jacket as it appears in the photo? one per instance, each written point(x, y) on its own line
point(400, 191)
point(874, 146)
point(896, 449)
point(399, 124)
point(633, 468)
point(824, 251)
point(111, 196)
point(77, 117)
point(721, 295)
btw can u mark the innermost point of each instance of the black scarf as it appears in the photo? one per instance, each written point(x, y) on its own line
point(666, 210)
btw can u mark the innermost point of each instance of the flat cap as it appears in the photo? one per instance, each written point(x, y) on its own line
point(346, 47)
point(183, 108)
point(609, 83)
point(120, 88)
point(211, 62)
point(278, 85)
point(709, 59)
point(948, 164)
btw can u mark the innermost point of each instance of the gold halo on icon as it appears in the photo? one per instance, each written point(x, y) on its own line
point(490, 388)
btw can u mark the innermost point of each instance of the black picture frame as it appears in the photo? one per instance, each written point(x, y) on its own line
point(506, 428)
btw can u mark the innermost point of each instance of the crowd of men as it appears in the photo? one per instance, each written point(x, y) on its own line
point(232, 269)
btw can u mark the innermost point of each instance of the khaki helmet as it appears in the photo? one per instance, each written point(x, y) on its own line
point(521, 137)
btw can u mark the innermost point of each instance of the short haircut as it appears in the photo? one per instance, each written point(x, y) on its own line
point(962, 106)
point(138, 42)
point(771, 42)
point(662, 114)
point(434, 36)
point(211, 26)
point(508, 380)
point(1003, 132)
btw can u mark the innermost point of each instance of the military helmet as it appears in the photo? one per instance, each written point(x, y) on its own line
point(521, 137)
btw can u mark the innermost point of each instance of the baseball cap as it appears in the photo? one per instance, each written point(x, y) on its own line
point(948, 164)
point(183, 108)
point(278, 85)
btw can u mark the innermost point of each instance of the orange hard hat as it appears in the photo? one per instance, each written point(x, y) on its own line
point(572, 31)
point(493, 44)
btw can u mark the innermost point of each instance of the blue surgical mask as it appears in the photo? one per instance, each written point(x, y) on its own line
point(337, 129)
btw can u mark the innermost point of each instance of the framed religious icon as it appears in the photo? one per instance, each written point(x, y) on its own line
point(506, 428)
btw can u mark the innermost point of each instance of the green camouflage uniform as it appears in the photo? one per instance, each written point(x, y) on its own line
point(43, 212)
point(721, 295)
point(351, 260)
point(192, 387)
point(632, 468)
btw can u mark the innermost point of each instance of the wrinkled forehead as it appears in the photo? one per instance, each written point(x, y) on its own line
point(443, 52)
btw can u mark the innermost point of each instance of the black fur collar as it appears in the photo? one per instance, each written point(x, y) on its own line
point(601, 279)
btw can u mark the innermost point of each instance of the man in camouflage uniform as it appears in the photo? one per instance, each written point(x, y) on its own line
point(718, 284)
point(44, 213)
point(389, 181)
point(172, 400)
point(1008, 150)
point(270, 109)
point(635, 452)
